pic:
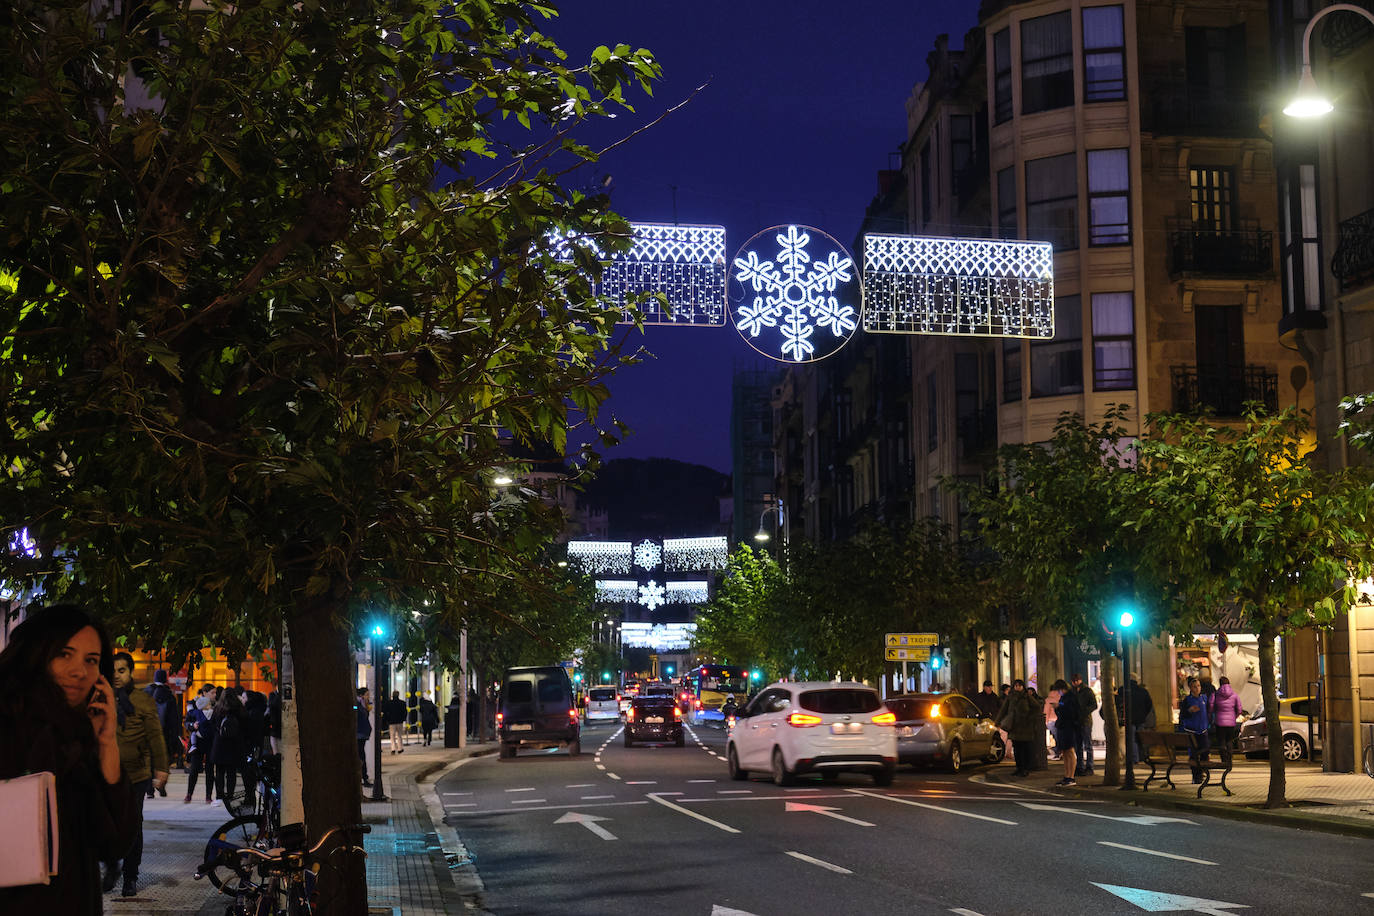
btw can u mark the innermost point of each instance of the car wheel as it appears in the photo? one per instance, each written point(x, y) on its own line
point(575, 746)
point(883, 777)
point(781, 775)
point(680, 742)
point(506, 751)
point(732, 761)
point(956, 758)
point(628, 741)
point(1294, 748)
point(998, 752)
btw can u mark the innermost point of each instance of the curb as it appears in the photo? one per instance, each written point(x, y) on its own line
point(461, 865)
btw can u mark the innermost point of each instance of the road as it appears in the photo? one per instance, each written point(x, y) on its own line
point(661, 829)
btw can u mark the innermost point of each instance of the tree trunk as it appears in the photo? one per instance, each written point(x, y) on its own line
point(1111, 770)
point(1278, 778)
point(330, 793)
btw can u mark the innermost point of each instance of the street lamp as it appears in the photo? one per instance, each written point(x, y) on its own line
point(762, 535)
point(376, 636)
point(1309, 102)
point(1125, 625)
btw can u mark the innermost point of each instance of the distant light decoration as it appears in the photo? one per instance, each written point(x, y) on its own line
point(803, 302)
point(686, 593)
point(651, 595)
point(695, 554)
point(961, 287)
point(615, 591)
point(661, 637)
point(648, 555)
point(602, 556)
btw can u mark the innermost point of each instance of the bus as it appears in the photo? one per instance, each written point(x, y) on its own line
point(709, 685)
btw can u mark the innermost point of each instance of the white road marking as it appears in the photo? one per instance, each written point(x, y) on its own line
point(963, 912)
point(531, 789)
point(530, 801)
point(613, 775)
point(590, 797)
point(641, 782)
point(601, 766)
point(568, 807)
point(718, 910)
point(701, 817)
point(828, 812)
point(668, 793)
point(916, 804)
point(581, 785)
point(820, 862)
point(701, 780)
point(734, 791)
point(1160, 902)
point(461, 805)
point(1148, 820)
point(588, 821)
point(1154, 852)
point(802, 790)
point(454, 794)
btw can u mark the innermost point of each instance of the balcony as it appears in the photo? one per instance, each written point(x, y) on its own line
point(1246, 251)
point(1179, 111)
point(977, 432)
point(1353, 262)
point(1224, 389)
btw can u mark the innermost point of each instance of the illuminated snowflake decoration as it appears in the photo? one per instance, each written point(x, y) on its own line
point(695, 554)
point(651, 595)
point(687, 593)
point(648, 555)
point(602, 556)
point(803, 295)
point(615, 591)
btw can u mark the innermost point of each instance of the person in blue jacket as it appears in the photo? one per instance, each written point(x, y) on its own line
point(1193, 718)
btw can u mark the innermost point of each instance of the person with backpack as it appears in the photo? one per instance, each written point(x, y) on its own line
point(202, 741)
point(229, 753)
point(169, 717)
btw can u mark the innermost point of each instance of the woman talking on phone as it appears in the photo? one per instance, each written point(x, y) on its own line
point(57, 707)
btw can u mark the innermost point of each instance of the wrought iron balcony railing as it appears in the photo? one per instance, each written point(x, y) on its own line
point(1178, 111)
point(1220, 251)
point(1353, 262)
point(1224, 389)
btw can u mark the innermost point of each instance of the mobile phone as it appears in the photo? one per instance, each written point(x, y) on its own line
point(90, 697)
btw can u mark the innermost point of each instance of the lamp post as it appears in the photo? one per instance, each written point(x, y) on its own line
point(1309, 102)
point(1126, 622)
point(376, 637)
point(762, 535)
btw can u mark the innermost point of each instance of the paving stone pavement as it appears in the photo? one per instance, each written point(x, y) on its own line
point(408, 857)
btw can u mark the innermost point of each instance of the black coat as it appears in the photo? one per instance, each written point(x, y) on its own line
point(94, 818)
point(393, 712)
point(429, 714)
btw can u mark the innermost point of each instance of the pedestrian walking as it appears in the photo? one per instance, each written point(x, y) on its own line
point(394, 717)
point(1192, 718)
point(229, 751)
point(1067, 724)
point(429, 718)
point(57, 711)
point(1087, 705)
point(200, 744)
point(143, 756)
point(169, 718)
point(1225, 716)
point(363, 708)
point(1019, 717)
point(987, 701)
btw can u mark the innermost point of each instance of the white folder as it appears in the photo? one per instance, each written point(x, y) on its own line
point(28, 842)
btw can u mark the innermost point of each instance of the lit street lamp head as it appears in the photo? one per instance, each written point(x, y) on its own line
point(761, 536)
point(1309, 102)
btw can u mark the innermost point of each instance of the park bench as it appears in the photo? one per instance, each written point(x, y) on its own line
point(1171, 749)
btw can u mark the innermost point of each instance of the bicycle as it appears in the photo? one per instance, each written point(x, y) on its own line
point(1369, 760)
point(254, 828)
point(286, 874)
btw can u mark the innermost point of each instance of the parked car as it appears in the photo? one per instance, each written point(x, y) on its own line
point(813, 727)
point(944, 729)
point(1298, 740)
point(653, 718)
point(603, 704)
point(536, 708)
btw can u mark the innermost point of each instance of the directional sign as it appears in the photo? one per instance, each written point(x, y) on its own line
point(828, 812)
point(905, 640)
point(588, 821)
point(906, 655)
point(1160, 902)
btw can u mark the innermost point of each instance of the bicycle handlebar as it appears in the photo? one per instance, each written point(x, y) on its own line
point(281, 854)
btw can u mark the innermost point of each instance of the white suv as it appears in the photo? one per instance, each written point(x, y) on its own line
point(813, 726)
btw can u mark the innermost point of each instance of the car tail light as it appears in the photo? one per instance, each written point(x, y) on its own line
point(935, 711)
point(630, 714)
point(572, 714)
point(698, 704)
point(677, 712)
point(500, 717)
point(803, 720)
point(885, 718)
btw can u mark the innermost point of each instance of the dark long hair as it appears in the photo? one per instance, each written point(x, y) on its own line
point(26, 684)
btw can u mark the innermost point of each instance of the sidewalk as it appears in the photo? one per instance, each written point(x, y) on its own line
point(1330, 802)
point(409, 872)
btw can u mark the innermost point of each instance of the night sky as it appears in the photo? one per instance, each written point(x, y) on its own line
point(805, 104)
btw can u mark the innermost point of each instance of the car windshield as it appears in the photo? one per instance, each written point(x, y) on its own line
point(840, 700)
point(602, 694)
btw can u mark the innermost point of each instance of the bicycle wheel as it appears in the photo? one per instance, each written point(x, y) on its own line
point(1369, 761)
point(222, 865)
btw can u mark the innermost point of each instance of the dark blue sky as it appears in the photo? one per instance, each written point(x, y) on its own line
point(805, 103)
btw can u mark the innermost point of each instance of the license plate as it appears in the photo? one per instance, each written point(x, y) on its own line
point(654, 720)
point(522, 728)
point(846, 728)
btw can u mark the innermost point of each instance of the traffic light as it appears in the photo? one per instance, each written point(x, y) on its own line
point(669, 669)
point(756, 675)
point(577, 678)
point(378, 629)
point(935, 662)
point(605, 677)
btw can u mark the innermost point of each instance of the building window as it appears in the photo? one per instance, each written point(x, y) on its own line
point(1057, 365)
point(1001, 80)
point(1006, 203)
point(1218, 85)
point(1113, 341)
point(1046, 63)
point(1104, 54)
point(1212, 205)
point(1109, 197)
point(960, 146)
point(1302, 275)
point(925, 183)
point(1052, 201)
point(1011, 371)
point(932, 414)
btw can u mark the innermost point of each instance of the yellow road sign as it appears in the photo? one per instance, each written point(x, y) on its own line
point(911, 639)
point(919, 654)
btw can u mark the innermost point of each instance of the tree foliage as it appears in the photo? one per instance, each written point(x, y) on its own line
point(281, 279)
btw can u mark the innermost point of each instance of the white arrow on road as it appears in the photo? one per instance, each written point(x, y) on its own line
point(589, 821)
point(718, 910)
point(1148, 820)
point(1160, 902)
point(828, 812)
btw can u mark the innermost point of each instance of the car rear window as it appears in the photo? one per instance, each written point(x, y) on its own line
point(602, 694)
point(551, 690)
point(840, 700)
point(520, 692)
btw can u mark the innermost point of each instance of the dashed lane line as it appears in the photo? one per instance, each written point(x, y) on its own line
point(1155, 852)
point(916, 804)
point(527, 789)
point(701, 780)
point(692, 814)
point(594, 797)
point(821, 862)
point(530, 801)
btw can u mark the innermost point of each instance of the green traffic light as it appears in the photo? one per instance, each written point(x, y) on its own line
point(1127, 619)
point(605, 675)
point(378, 630)
point(756, 674)
point(935, 661)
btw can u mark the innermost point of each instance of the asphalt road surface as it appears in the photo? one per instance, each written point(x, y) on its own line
point(660, 829)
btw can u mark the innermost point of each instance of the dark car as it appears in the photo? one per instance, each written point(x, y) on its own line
point(653, 718)
point(536, 708)
point(944, 729)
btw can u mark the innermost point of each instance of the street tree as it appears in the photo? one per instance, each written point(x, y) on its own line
point(1056, 522)
point(280, 279)
point(736, 625)
point(1237, 516)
